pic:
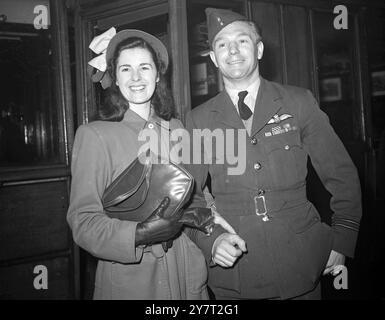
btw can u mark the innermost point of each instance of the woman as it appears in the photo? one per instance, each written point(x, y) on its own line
point(130, 266)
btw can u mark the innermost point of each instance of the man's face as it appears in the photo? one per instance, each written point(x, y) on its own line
point(236, 50)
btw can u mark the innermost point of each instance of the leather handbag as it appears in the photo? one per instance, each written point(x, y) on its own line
point(141, 187)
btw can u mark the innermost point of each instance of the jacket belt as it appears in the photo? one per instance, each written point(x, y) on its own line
point(260, 202)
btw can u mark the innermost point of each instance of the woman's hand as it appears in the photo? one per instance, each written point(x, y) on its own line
point(157, 228)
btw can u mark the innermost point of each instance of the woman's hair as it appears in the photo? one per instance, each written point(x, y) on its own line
point(115, 105)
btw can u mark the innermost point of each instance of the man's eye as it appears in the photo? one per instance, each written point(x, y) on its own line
point(221, 45)
point(243, 41)
point(145, 68)
point(124, 69)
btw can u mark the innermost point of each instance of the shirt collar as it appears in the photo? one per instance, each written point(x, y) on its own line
point(251, 97)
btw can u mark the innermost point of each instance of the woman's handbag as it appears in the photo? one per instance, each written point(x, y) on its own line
point(141, 187)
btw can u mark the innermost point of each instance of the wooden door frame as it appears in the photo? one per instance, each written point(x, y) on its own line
point(325, 4)
point(63, 97)
point(360, 72)
point(39, 174)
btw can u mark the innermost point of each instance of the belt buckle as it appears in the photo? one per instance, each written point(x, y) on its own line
point(260, 200)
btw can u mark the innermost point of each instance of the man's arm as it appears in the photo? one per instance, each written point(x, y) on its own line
point(224, 252)
point(338, 174)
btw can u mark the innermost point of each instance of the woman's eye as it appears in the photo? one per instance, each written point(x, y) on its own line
point(124, 69)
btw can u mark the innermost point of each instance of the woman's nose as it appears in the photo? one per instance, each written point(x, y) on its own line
point(135, 75)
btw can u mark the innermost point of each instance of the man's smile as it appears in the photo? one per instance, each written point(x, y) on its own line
point(235, 62)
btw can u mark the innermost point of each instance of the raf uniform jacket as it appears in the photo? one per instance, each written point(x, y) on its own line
point(288, 246)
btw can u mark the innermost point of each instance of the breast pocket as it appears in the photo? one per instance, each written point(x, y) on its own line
point(286, 158)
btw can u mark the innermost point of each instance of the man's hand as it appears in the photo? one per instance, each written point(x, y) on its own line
point(335, 259)
point(227, 249)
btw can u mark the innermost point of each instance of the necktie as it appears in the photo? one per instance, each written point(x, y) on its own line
point(244, 110)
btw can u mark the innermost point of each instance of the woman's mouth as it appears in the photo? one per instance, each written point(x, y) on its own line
point(137, 88)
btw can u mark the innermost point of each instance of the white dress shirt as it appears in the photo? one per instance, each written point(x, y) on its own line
point(252, 92)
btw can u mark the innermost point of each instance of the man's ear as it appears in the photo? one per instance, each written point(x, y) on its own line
point(213, 59)
point(260, 48)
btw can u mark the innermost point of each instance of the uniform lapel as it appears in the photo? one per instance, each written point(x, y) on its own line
point(267, 104)
point(226, 112)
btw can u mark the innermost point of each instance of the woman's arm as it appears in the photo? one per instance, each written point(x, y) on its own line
point(92, 229)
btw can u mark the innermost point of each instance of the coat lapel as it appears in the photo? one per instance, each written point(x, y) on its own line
point(267, 104)
point(226, 112)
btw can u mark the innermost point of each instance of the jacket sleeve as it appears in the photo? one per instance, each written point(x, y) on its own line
point(200, 173)
point(92, 229)
point(337, 173)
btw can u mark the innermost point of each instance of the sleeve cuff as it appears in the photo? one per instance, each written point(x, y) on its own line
point(344, 240)
point(205, 243)
point(134, 254)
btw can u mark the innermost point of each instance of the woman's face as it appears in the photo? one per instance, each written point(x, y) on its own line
point(136, 75)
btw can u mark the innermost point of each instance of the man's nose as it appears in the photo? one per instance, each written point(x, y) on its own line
point(233, 47)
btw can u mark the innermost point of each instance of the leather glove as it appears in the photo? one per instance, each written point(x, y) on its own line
point(199, 218)
point(157, 228)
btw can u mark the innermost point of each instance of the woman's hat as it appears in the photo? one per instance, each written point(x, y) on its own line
point(105, 45)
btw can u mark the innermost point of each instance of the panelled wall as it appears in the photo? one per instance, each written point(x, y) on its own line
point(33, 232)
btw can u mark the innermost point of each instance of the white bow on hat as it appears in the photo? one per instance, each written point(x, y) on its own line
point(99, 45)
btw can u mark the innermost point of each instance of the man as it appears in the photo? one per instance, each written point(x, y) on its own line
point(281, 247)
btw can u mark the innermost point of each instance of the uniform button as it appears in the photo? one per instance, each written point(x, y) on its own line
point(254, 141)
point(261, 192)
point(287, 147)
point(151, 125)
point(257, 166)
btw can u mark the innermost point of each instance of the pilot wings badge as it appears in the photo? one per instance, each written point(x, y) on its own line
point(277, 119)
